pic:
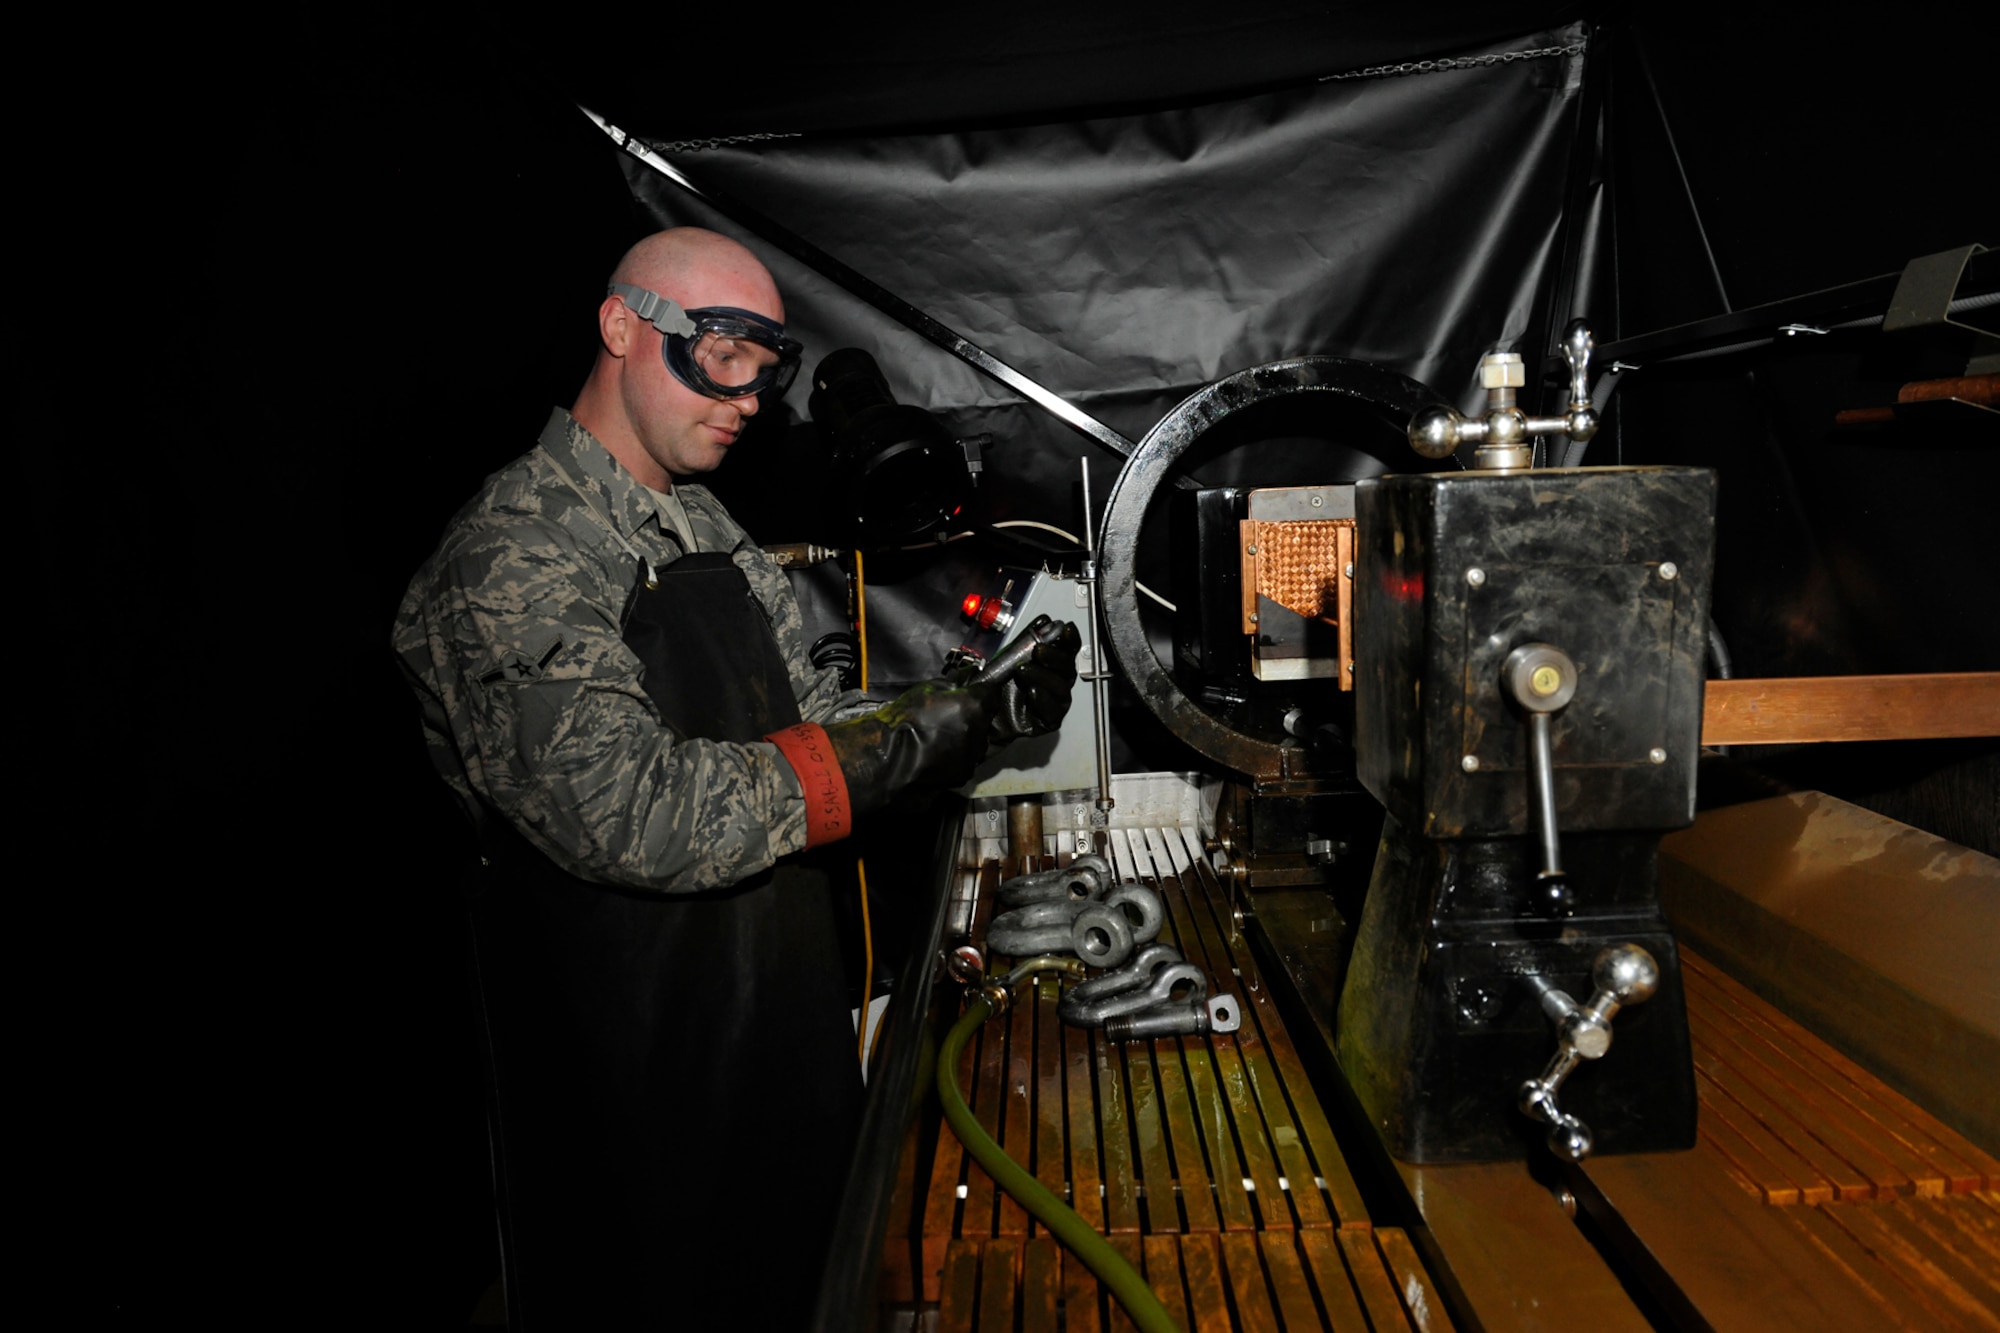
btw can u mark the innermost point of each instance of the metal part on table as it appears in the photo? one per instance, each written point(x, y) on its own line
point(1106, 932)
point(1218, 1013)
point(1506, 434)
point(1086, 877)
point(1623, 974)
point(1043, 927)
point(1150, 978)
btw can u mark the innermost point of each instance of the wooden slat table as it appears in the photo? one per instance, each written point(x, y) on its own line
point(1207, 1161)
point(1816, 1197)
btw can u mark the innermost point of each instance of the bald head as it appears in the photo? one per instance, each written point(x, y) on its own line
point(653, 424)
point(691, 266)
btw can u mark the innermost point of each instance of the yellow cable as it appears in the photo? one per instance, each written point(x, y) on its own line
point(867, 966)
point(860, 866)
point(861, 616)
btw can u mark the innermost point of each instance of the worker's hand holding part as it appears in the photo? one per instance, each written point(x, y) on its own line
point(933, 735)
point(1034, 696)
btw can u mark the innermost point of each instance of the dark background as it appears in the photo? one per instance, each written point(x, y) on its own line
point(290, 291)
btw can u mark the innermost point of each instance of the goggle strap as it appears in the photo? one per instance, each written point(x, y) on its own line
point(662, 312)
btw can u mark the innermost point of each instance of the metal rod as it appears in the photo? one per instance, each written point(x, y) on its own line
point(884, 300)
point(1099, 684)
point(1542, 790)
point(1687, 187)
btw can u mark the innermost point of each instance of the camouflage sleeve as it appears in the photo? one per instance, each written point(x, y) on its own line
point(557, 734)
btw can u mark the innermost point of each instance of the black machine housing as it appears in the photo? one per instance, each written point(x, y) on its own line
point(1438, 1025)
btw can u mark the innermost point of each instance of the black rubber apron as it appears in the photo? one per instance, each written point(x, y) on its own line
point(675, 1082)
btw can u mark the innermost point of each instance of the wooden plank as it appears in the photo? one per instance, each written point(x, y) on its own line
point(1818, 1105)
point(959, 1300)
point(1208, 1295)
point(1770, 1181)
point(1413, 1281)
point(1041, 1285)
point(1129, 1249)
point(1288, 1279)
point(1802, 709)
point(1204, 1155)
point(1051, 1161)
point(1751, 1114)
point(1017, 1136)
point(1337, 1296)
point(996, 1286)
point(1919, 1258)
point(1371, 1279)
point(1964, 1166)
point(1863, 1272)
point(941, 1203)
point(1857, 1171)
point(1736, 1261)
point(1080, 1115)
point(1114, 1138)
point(981, 1194)
point(1163, 1275)
point(1964, 1224)
point(1083, 1310)
point(1243, 1263)
point(1197, 1196)
point(1213, 1069)
point(902, 1246)
point(1226, 1169)
point(1261, 1017)
point(1148, 1124)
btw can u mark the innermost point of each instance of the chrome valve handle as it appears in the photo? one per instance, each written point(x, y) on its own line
point(1623, 974)
point(1542, 679)
point(1506, 434)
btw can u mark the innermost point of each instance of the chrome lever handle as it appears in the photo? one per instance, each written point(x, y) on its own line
point(1542, 679)
point(1622, 974)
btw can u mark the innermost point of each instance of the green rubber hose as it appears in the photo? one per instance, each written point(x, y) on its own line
point(1126, 1285)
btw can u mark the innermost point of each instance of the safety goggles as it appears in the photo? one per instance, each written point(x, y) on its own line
point(719, 351)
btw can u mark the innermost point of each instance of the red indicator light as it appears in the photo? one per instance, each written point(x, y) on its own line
point(969, 608)
point(991, 613)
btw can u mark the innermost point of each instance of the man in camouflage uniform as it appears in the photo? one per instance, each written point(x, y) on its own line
point(614, 684)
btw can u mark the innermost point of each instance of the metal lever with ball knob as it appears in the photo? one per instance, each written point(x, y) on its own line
point(1623, 974)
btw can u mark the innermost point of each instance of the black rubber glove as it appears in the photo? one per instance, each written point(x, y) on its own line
point(932, 735)
point(1033, 701)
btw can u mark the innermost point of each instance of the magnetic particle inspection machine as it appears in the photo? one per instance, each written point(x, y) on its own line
point(1465, 1069)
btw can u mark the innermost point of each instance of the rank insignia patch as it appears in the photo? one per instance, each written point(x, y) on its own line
point(517, 668)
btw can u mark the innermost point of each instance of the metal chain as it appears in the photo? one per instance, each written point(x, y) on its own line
point(1454, 62)
point(703, 145)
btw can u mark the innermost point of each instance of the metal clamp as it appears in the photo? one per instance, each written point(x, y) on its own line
point(1623, 974)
